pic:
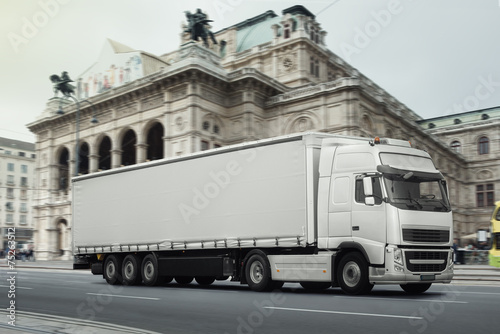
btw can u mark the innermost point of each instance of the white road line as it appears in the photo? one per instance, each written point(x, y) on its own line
point(419, 300)
point(17, 287)
point(346, 313)
point(120, 296)
point(473, 293)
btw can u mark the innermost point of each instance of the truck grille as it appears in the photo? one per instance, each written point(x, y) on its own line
point(423, 257)
point(418, 235)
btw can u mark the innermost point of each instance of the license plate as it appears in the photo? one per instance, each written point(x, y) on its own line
point(427, 277)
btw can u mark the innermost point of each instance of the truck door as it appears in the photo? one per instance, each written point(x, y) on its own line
point(339, 209)
point(368, 221)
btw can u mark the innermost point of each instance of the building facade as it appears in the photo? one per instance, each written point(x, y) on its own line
point(475, 135)
point(17, 182)
point(267, 76)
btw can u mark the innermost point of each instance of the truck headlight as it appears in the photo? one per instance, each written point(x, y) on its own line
point(398, 256)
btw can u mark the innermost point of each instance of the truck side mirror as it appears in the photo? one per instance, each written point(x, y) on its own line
point(369, 200)
point(368, 189)
point(367, 186)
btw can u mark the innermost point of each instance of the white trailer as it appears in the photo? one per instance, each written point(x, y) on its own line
point(312, 208)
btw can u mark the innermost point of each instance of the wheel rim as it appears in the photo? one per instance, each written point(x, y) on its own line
point(110, 269)
point(256, 272)
point(149, 270)
point(351, 274)
point(128, 270)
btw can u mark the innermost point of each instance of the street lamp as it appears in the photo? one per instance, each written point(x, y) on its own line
point(61, 84)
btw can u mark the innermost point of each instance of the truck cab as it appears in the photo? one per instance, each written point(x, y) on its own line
point(387, 201)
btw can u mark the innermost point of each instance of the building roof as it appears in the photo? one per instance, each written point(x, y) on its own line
point(17, 144)
point(461, 118)
point(255, 31)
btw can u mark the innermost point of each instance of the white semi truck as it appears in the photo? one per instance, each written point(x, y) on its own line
point(318, 209)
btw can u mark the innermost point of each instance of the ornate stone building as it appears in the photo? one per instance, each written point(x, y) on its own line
point(475, 136)
point(267, 76)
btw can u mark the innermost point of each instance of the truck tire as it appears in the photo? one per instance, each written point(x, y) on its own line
point(258, 273)
point(184, 279)
point(204, 280)
point(113, 269)
point(149, 270)
point(352, 274)
point(415, 289)
point(131, 270)
point(316, 285)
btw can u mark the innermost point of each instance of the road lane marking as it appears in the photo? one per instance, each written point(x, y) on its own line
point(420, 300)
point(17, 287)
point(120, 296)
point(345, 313)
point(474, 293)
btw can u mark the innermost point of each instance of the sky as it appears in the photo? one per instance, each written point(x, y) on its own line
point(438, 57)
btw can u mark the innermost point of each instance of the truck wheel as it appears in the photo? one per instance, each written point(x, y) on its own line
point(416, 289)
point(113, 269)
point(184, 279)
point(149, 270)
point(131, 270)
point(204, 280)
point(352, 274)
point(316, 285)
point(258, 273)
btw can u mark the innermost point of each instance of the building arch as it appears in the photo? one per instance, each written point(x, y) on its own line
point(154, 133)
point(302, 122)
point(62, 173)
point(83, 158)
point(128, 142)
point(104, 152)
point(62, 243)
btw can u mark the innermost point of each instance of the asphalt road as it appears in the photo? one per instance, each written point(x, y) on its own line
point(227, 307)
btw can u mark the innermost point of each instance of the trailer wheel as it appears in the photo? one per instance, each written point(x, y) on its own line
point(316, 285)
point(352, 274)
point(258, 273)
point(204, 280)
point(113, 269)
point(184, 279)
point(131, 270)
point(415, 289)
point(149, 270)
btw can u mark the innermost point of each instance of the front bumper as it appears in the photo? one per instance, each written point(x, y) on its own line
point(427, 266)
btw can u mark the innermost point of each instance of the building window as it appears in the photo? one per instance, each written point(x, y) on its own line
point(455, 146)
point(216, 129)
point(9, 206)
point(485, 195)
point(10, 179)
point(286, 31)
point(24, 207)
point(206, 125)
point(10, 167)
point(24, 194)
point(10, 218)
point(314, 67)
point(24, 181)
point(22, 154)
point(204, 145)
point(24, 169)
point(22, 219)
point(483, 145)
point(33, 156)
point(10, 193)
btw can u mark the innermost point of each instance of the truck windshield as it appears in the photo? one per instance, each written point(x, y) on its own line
point(415, 191)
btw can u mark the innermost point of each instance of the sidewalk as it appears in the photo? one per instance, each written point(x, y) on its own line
point(27, 322)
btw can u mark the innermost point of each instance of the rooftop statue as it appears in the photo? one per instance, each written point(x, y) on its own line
point(61, 84)
point(197, 27)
